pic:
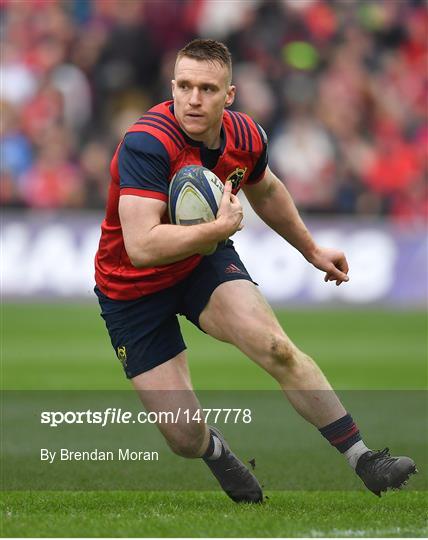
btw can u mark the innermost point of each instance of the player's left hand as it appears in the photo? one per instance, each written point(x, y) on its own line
point(333, 262)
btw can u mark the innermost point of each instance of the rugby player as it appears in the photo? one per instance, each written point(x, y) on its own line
point(148, 271)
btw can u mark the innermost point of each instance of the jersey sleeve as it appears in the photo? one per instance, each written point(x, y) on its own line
point(144, 166)
point(259, 169)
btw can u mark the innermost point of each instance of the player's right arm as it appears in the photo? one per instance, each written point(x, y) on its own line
point(143, 169)
point(148, 242)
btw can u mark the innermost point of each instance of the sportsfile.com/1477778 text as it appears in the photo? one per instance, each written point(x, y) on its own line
point(113, 415)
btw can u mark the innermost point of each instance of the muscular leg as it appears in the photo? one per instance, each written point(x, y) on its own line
point(238, 313)
point(165, 388)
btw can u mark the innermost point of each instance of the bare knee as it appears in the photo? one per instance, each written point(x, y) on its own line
point(189, 441)
point(285, 359)
point(282, 352)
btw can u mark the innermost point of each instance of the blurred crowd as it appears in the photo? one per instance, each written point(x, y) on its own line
point(340, 86)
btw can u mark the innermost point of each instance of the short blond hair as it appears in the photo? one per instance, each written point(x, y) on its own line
point(209, 50)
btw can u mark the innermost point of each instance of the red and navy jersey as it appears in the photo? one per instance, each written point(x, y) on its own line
point(149, 155)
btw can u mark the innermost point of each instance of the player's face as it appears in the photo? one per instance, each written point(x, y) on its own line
point(201, 90)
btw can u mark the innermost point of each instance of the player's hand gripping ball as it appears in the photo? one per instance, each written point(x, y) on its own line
point(194, 196)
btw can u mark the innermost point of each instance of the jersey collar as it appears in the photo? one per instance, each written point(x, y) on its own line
point(200, 144)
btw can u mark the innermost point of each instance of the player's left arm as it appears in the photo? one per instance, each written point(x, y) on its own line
point(271, 200)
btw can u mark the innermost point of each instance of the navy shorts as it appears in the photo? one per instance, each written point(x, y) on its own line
point(145, 332)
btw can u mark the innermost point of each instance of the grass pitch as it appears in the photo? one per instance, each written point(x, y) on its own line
point(210, 514)
point(60, 346)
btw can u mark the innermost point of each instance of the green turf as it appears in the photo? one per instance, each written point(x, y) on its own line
point(65, 346)
point(208, 514)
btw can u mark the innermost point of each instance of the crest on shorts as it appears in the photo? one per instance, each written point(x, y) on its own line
point(236, 177)
point(121, 354)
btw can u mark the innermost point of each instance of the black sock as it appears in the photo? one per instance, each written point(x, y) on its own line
point(342, 434)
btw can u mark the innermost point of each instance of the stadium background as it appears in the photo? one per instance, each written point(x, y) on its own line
point(341, 89)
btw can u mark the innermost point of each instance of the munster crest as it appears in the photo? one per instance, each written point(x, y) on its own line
point(236, 177)
point(121, 354)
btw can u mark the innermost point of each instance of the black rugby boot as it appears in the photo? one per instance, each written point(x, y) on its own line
point(233, 476)
point(379, 471)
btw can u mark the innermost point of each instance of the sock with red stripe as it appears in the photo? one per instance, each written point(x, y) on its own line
point(344, 435)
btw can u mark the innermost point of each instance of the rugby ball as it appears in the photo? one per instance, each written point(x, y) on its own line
point(194, 196)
